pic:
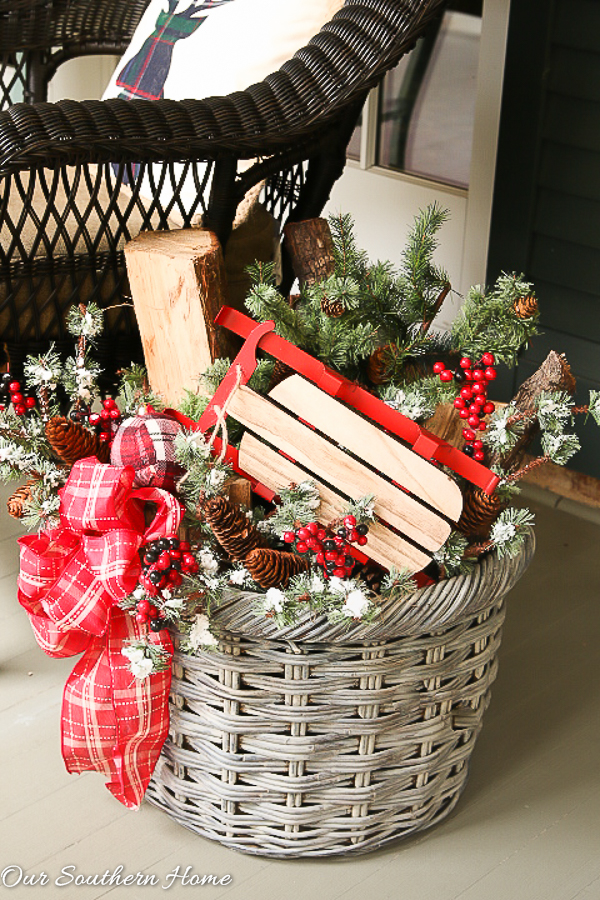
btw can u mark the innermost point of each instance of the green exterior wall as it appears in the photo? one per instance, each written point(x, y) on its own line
point(546, 213)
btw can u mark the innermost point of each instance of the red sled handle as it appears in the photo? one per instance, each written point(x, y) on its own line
point(423, 442)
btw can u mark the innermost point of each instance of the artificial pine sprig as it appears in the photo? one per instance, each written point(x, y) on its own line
point(554, 409)
point(265, 302)
point(422, 283)
point(339, 600)
point(145, 658)
point(362, 509)
point(559, 447)
point(594, 406)
point(81, 372)
point(41, 513)
point(347, 256)
point(506, 491)
point(505, 427)
point(135, 391)
point(44, 373)
point(193, 404)
point(489, 321)
point(80, 379)
point(259, 381)
point(23, 445)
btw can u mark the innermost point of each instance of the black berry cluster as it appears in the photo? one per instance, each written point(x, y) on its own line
point(12, 392)
point(471, 403)
point(164, 563)
point(331, 550)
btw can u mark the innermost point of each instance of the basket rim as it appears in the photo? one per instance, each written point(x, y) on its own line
point(428, 609)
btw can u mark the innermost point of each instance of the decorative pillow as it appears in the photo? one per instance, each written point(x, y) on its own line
point(182, 50)
point(191, 50)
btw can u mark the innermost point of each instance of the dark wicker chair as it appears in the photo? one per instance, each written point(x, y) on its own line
point(295, 125)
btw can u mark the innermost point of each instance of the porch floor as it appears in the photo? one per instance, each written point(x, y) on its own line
point(526, 828)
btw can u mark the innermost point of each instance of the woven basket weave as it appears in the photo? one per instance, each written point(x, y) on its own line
point(321, 739)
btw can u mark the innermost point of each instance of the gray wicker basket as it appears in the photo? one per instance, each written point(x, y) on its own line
point(321, 739)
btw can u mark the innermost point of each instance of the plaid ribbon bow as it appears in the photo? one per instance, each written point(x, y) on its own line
point(70, 581)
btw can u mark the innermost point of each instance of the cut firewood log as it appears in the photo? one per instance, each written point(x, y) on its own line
point(447, 424)
point(310, 246)
point(554, 374)
point(178, 285)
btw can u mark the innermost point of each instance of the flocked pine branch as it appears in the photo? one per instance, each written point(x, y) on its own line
point(507, 535)
point(594, 406)
point(451, 556)
point(136, 391)
point(397, 584)
point(419, 400)
point(204, 474)
point(299, 506)
point(85, 321)
point(44, 374)
point(80, 379)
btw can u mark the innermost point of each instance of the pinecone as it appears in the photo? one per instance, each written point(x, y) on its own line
point(281, 371)
point(525, 307)
point(480, 511)
point(72, 441)
point(371, 574)
point(332, 308)
point(274, 568)
point(236, 534)
point(378, 366)
point(19, 499)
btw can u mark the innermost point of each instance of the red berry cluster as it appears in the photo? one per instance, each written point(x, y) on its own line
point(11, 391)
point(330, 550)
point(164, 563)
point(106, 421)
point(472, 402)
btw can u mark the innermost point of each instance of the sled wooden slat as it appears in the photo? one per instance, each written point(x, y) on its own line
point(326, 461)
point(370, 443)
point(276, 471)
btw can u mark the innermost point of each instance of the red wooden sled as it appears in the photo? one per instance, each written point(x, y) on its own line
point(318, 424)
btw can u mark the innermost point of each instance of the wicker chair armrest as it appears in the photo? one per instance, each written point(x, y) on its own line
point(310, 91)
point(88, 25)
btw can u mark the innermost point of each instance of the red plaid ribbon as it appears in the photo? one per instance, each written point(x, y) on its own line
point(70, 581)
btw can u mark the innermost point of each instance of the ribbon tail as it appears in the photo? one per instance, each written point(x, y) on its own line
point(53, 641)
point(111, 722)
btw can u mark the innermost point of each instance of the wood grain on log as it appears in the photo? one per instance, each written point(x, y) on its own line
point(554, 374)
point(310, 247)
point(178, 285)
point(447, 424)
